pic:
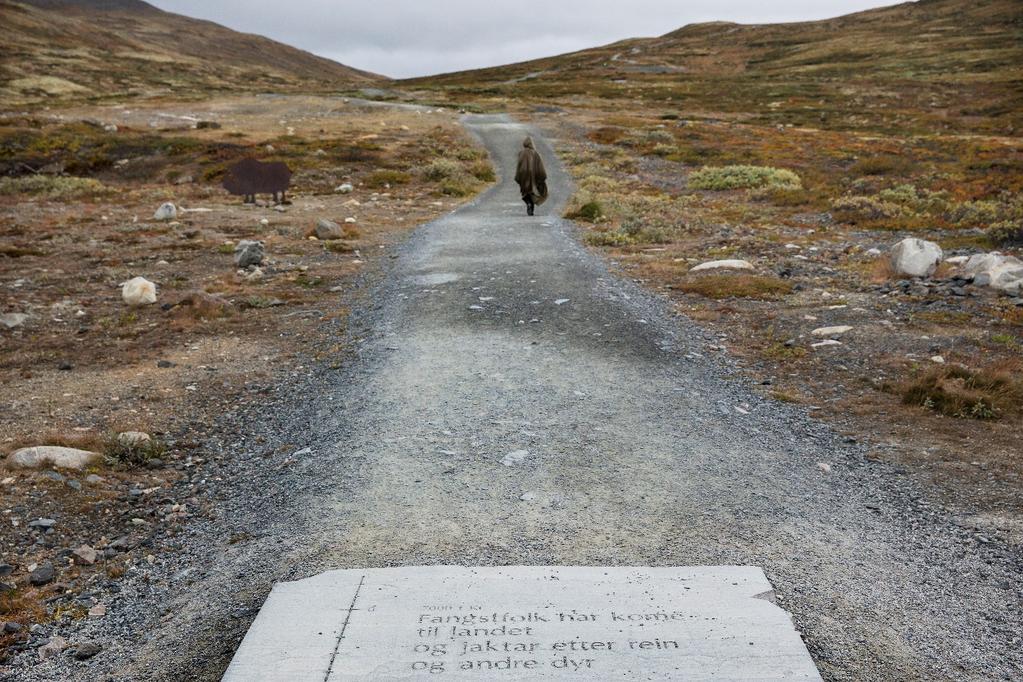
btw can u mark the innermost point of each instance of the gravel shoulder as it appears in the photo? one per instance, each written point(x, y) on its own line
point(493, 333)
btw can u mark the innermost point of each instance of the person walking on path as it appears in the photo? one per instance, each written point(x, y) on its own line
point(531, 176)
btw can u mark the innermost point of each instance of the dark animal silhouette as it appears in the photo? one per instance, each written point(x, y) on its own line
point(250, 177)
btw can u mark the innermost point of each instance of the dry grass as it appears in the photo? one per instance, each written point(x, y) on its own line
point(881, 270)
point(52, 187)
point(85, 440)
point(735, 286)
point(24, 606)
point(115, 453)
point(966, 393)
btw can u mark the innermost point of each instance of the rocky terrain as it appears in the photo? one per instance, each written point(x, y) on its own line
point(235, 300)
point(835, 212)
point(920, 360)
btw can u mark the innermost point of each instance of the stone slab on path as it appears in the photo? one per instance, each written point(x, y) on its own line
point(524, 623)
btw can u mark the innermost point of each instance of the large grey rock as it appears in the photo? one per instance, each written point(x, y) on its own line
point(916, 257)
point(523, 623)
point(43, 575)
point(51, 455)
point(87, 650)
point(328, 229)
point(994, 270)
point(248, 253)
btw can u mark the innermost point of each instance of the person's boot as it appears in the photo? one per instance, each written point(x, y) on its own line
point(529, 210)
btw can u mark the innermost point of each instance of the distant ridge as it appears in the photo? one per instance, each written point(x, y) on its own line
point(98, 48)
point(943, 63)
point(101, 5)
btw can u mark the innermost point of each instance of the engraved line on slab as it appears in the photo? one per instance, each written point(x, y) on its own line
point(344, 626)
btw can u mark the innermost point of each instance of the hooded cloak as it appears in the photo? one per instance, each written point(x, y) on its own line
point(530, 173)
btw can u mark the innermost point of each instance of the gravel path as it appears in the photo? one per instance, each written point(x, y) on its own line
point(494, 333)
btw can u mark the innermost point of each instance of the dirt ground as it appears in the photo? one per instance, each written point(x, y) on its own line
point(84, 365)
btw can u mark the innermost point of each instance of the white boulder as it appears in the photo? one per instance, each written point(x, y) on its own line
point(994, 270)
point(981, 262)
point(916, 257)
point(139, 291)
point(346, 188)
point(831, 331)
point(51, 455)
point(723, 265)
point(167, 211)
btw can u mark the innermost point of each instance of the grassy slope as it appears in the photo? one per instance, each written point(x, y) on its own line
point(134, 48)
point(930, 66)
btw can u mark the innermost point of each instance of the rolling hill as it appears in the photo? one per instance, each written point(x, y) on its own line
point(927, 65)
point(90, 48)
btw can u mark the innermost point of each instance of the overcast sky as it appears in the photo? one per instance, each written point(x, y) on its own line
point(402, 38)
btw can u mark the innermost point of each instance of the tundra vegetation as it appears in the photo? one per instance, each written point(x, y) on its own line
point(809, 150)
point(937, 360)
point(78, 191)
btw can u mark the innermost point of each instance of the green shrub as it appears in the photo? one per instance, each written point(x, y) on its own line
point(781, 196)
point(882, 165)
point(591, 212)
point(118, 453)
point(858, 209)
point(52, 186)
point(1007, 233)
point(660, 136)
point(338, 246)
point(916, 200)
point(483, 171)
point(609, 238)
point(441, 169)
point(598, 183)
point(974, 213)
point(461, 185)
point(743, 177)
point(469, 154)
point(718, 286)
point(643, 232)
point(386, 178)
